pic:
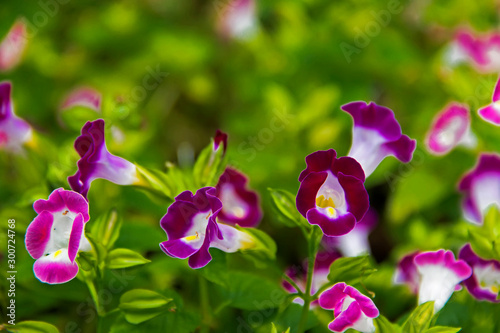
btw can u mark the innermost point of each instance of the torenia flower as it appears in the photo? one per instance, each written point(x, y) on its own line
point(450, 127)
point(491, 112)
point(239, 205)
point(237, 19)
point(322, 263)
point(220, 141)
point(484, 283)
point(14, 132)
point(480, 187)
point(332, 192)
point(57, 234)
point(351, 309)
point(439, 273)
point(83, 96)
point(192, 228)
point(97, 162)
point(13, 45)
point(481, 51)
point(354, 243)
point(376, 134)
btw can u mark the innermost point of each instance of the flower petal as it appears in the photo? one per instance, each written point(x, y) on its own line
point(38, 234)
point(61, 199)
point(346, 319)
point(83, 96)
point(13, 46)
point(356, 196)
point(232, 239)
point(332, 226)
point(55, 268)
point(490, 113)
point(331, 297)
point(75, 237)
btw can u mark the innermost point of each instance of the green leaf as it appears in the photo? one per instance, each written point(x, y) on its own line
point(32, 327)
point(420, 319)
point(284, 202)
point(208, 165)
point(140, 305)
point(351, 269)
point(262, 242)
point(123, 258)
point(383, 325)
point(156, 182)
point(443, 329)
point(106, 228)
point(251, 292)
point(273, 328)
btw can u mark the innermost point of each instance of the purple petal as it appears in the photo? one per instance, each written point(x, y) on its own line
point(407, 273)
point(481, 187)
point(331, 297)
point(203, 257)
point(491, 113)
point(366, 304)
point(448, 128)
point(239, 205)
point(180, 248)
point(308, 190)
point(97, 162)
point(55, 268)
point(60, 200)
point(75, 237)
point(321, 160)
point(332, 226)
point(346, 319)
point(356, 196)
point(83, 96)
point(445, 259)
point(5, 100)
point(489, 269)
point(13, 46)
point(232, 239)
point(38, 234)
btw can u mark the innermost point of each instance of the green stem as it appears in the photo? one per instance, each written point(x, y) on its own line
point(313, 248)
point(205, 306)
point(95, 297)
point(289, 280)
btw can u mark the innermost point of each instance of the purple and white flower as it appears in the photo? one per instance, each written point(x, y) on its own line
point(237, 19)
point(97, 162)
point(440, 274)
point(480, 51)
point(376, 134)
point(450, 127)
point(322, 263)
point(484, 283)
point(481, 188)
point(14, 132)
point(13, 45)
point(354, 243)
point(82, 96)
point(351, 309)
point(56, 235)
point(192, 228)
point(491, 112)
point(332, 192)
point(240, 206)
point(220, 140)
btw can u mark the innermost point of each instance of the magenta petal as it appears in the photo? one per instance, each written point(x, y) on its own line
point(178, 248)
point(54, 270)
point(490, 113)
point(337, 226)
point(346, 318)
point(331, 297)
point(239, 205)
point(496, 92)
point(75, 237)
point(61, 199)
point(220, 138)
point(365, 303)
point(38, 234)
point(445, 259)
point(402, 148)
point(202, 257)
point(83, 96)
point(13, 45)
point(407, 273)
point(321, 160)
point(473, 284)
point(5, 101)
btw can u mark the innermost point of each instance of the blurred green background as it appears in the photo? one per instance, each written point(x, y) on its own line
point(293, 67)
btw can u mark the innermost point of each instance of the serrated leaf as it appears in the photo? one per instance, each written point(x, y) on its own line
point(123, 258)
point(383, 325)
point(106, 228)
point(284, 202)
point(420, 319)
point(350, 269)
point(443, 329)
point(139, 305)
point(32, 327)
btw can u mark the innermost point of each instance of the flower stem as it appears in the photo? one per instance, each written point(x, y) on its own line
point(312, 249)
point(289, 280)
point(95, 297)
point(205, 306)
